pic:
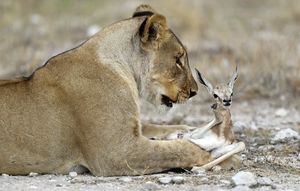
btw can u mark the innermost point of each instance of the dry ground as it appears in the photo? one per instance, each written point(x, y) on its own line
point(262, 37)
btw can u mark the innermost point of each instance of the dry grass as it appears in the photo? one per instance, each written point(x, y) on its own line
point(262, 37)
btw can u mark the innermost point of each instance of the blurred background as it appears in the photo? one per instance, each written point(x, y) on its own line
point(261, 37)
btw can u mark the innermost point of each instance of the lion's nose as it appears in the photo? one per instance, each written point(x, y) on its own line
point(192, 93)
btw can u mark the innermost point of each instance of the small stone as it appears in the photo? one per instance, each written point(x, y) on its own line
point(270, 158)
point(281, 112)
point(165, 180)
point(241, 188)
point(243, 156)
point(178, 179)
point(285, 134)
point(199, 171)
point(244, 178)
point(264, 181)
point(126, 179)
point(73, 174)
point(253, 125)
point(5, 175)
point(151, 186)
point(216, 168)
point(273, 186)
point(226, 182)
point(204, 179)
point(262, 148)
point(33, 174)
point(59, 185)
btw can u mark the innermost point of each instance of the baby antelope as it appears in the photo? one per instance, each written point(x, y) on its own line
point(217, 136)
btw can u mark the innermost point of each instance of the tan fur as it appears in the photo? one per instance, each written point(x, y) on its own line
point(223, 126)
point(82, 107)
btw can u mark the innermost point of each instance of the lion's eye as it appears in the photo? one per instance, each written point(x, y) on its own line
point(216, 96)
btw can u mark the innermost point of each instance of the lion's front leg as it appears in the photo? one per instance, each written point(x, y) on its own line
point(145, 156)
point(164, 131)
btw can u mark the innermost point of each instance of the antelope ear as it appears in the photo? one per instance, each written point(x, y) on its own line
point(205, 82)
point(153, 31)
point(233, 78)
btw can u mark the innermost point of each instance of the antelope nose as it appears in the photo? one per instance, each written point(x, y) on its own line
point(192, 93)
point(227, 102)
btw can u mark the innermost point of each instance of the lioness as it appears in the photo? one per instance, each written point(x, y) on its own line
point(82, 106)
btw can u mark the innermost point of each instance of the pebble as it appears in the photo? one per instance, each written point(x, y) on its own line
point(165, 180)
point(151, 186)
point(264, 181)
point(241, 188)
point(204, 179)
point(72, 174)
point(216, 168)
point(281, 112)
point(253, 125)
point(244, 178)
point(33, 174)
point(263, 159)
point(5, 175)
point(126, 179)
point(178, 179)
point(285, 134)
point(33, 187)
point(226, 182)
point(265, 148)
point(169, 180)
point(199, 171)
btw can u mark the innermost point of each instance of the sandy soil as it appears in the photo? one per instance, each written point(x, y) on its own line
point(257, 125)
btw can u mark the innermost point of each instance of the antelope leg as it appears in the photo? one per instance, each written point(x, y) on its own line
point(199, 132)
point(239, 148)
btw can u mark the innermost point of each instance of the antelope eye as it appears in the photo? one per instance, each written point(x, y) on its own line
point(216, 96)
point(232, 94)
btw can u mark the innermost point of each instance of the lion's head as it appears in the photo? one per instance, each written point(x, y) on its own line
point(170, 78)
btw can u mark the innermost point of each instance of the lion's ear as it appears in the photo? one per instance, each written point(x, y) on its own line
point(143, 10)
point(153, 31)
